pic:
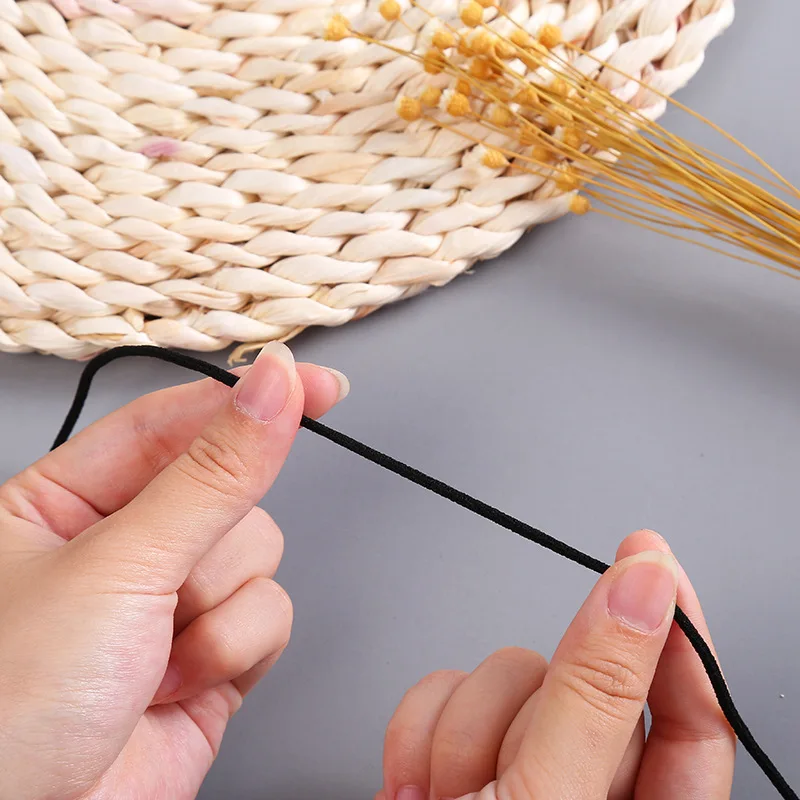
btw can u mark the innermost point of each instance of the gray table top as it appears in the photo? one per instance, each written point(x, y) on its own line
point(594, 380)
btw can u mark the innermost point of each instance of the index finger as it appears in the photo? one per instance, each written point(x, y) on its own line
point(597, 684)
point(104, 466)
point(152, 543)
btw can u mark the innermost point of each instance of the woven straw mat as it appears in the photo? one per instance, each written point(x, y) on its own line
point(197, 173)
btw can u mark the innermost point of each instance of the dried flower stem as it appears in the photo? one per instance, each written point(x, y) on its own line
point(540, 106)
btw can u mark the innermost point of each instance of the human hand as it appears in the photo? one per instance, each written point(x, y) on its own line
point(136, 601)
point(518, 729)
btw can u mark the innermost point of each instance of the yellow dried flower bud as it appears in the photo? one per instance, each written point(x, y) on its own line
point(431, 96)
point(566, 180)
point(550, 36)
point(504, 50)
point(529, 134)
point(463, 47)
point(579, 205)
point(559, 87)
point(472, 14)
point(572, 139)
point(531, 60)
point(482, 43)
point(433, 62)
point(541, 154)
point(457, 105)
point(486, 3)
point(338, 28)
point(493, 159)
point(552, 121)
point(463, 86)
point(408, 108)
point(390, 10)
point(501, 116)
point(443, 39)
point(527, 97)
point(480, 68)
point(520, 38)
point(558, 117)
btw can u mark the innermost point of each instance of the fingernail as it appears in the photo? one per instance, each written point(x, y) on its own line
point(410, 793)
point(642, 595)
point(266, 387)
point(344, 383)
point(170, 683)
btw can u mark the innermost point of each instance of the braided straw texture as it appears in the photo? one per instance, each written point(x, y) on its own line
point(196, 173)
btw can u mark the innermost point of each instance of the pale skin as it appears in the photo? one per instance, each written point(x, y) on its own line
point(138, 608)
point(518, 728)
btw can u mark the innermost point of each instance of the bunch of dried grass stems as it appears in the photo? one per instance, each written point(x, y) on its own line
point(546, 106)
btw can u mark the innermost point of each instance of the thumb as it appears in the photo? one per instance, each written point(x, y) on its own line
point(153, 542)
point(597, 684)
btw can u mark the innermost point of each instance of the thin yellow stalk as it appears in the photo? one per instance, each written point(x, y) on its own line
point(585, 137)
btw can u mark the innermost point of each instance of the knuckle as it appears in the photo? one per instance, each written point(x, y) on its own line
point(516, 658)
point(607, 683)
point(270, 538)
point(227, 661)
point(532, 778)
point(713, 730)
point(28, 495)
point(260, 519)
point(409, 729)
point(155, 445)
point(446, 677)
point(434, 686)
point(401, 742)
point(443, 678)
point(214, 465)
point(222, 657)
point(199, 589)
point(455, 751)
point(403, 731)
point(276, 597)
point(275, 545)
point(17, 499)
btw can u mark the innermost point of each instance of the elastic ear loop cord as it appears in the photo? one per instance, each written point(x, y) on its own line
point(459, 498)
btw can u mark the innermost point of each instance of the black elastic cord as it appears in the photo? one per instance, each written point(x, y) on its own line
point(459, 498)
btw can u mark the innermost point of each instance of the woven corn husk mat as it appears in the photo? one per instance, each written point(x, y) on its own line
point(196, 173)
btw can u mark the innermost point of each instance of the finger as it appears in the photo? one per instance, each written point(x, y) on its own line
point(252, 549)
point(512, 741)
point(224, 643)
point(691, 749)
point(125, 450)
point(597, 684)
point(624, 782)
point(248, 680)
point(623, 787)
point(188, 733)
point(152, 543)
point(470, 731)
point(409, 736)
point(324, 388)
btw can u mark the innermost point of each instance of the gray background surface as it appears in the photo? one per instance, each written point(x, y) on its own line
point(594, 380)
